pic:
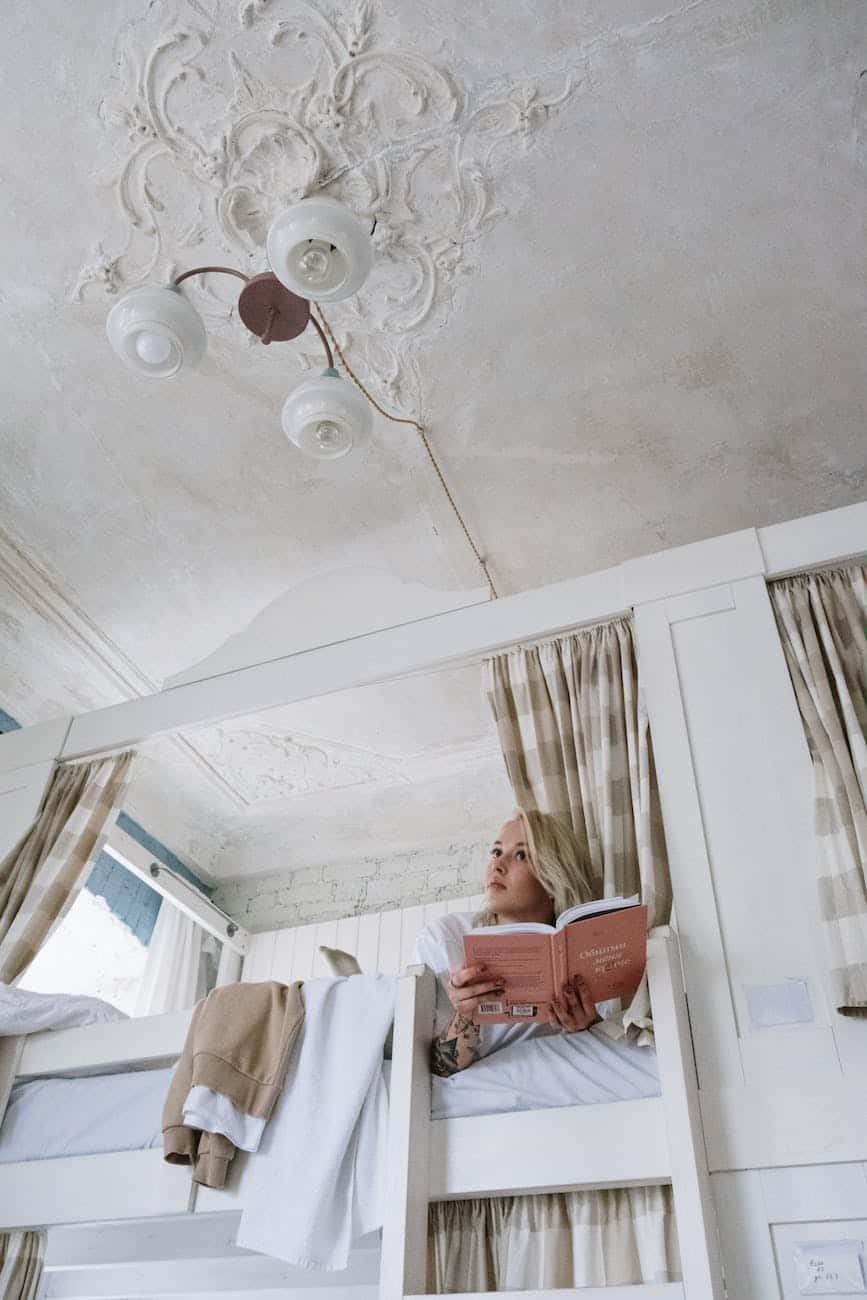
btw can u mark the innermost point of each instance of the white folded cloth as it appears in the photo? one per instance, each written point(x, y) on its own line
point(318, 1181)
point(23, 1012)
point(214, 1112)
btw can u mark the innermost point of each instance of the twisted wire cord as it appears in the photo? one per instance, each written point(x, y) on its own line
point(420, 429)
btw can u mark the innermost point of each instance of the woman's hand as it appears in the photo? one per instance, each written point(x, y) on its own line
point(576, 1010)
point(468, 986)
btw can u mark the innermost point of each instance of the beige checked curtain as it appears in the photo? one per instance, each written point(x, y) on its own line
point(822, 618)
point(20, 1265)
point(575, 738)
point(558, 1240)
point(40, 878)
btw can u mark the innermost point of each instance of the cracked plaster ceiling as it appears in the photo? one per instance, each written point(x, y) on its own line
point(619, 272)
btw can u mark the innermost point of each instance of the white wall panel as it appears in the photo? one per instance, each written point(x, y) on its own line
point(259, 961)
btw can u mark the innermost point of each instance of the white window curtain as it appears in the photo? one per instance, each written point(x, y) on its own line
point(175, 974)
point(822, 619)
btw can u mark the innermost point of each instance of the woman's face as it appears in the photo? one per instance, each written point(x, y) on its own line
point(511, 889)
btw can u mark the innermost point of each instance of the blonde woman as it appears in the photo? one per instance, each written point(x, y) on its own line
point(534, 872)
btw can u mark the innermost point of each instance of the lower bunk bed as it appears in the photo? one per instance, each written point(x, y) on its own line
point(645, 1142)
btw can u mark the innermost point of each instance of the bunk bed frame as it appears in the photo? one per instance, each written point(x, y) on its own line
point(655, 1140)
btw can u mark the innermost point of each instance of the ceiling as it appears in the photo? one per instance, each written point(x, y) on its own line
point(619, 276)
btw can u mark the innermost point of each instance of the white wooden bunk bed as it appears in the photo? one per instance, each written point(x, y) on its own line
point(655, 1140)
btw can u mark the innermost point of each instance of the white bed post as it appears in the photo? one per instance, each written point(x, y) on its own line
point(690, 1181)
point(403, 1270)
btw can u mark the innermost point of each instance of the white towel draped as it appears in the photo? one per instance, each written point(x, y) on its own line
point(318, 1180)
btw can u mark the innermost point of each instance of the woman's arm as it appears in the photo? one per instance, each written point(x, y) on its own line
point(455, 1048)
point(458, 1044)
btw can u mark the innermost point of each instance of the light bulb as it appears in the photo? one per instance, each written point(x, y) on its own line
point(325, 417)
point(314, 262)
point(155, 331)
point(328, 434)
point(319, 249)
point(154, 349)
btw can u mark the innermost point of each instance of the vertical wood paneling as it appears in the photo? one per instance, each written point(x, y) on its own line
point(388, 957)
point(283, 964)
point(305, 941)
point(326, 933)
point(260, 957)
point(413, 922)
point(367, 950)
point(347, 934)
point(433, 911)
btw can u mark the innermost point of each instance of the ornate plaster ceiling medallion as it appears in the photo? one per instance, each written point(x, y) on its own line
point(263, 766)
point(223, 129)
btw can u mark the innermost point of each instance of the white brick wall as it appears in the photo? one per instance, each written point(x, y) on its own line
point(374, 884)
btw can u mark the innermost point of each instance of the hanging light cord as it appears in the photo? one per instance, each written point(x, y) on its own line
point(420, 429)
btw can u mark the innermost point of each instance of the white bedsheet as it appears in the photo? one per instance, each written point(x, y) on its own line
point(80, 1117)
point(539, 1073)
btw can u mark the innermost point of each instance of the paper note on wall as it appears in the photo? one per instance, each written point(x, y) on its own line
point(779, 1004)
point(830, 1267)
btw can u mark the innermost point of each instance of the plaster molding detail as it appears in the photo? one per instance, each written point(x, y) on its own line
point(210, 159)
point(264, 765)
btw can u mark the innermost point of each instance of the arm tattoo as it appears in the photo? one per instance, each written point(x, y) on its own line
point(455, 1048)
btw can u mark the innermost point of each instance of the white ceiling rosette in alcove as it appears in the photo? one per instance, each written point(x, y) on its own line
point(227, 121)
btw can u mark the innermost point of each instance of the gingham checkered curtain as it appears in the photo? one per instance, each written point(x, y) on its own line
point(575, 738)
point(40, 878)
point(822, 618)
point(20, 1264)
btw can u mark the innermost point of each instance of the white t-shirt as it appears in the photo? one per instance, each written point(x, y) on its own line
point(441, 947)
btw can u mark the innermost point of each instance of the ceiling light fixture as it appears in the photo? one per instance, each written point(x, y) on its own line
point(323, 252)
point(319, 252)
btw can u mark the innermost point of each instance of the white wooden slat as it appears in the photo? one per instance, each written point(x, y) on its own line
point(477, 902)
point(259, 959)
point(457, 905)
point(82, 1189)
point(178, 1276)
point(87, 1245)
point(412, 924)
point(283, 964)
point(347, 935)
point(388, 962)
point(622, 1145)
point(305, 948)
point(326, 933)
point(367, 950)
point(100, 1049)
point(644, 1291)
point(433, 911)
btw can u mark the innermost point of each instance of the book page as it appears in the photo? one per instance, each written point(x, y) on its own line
point(596, 907)
point(522, 960)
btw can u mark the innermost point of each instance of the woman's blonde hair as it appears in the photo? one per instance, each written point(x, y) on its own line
point(556, 859)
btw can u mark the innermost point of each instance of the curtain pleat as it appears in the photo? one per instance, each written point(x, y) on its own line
point(822, 620)
point(619, 1237)
point(21, 1256)
point(42, 875)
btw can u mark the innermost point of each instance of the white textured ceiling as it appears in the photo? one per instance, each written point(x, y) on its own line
point(619, 275)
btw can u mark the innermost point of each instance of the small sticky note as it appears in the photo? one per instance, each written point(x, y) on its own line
point(779, 1004)
point(830, 1267)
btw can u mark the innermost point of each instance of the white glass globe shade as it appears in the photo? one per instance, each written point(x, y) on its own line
point(320, 250)
point(326, 417)
point(155, 330)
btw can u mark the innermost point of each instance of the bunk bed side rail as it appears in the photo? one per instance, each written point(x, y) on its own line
point(146, 1043)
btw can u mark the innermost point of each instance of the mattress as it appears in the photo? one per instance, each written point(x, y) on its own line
point(49, 1118)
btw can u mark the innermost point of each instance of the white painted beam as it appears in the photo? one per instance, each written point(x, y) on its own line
point(212, 1274)
point(471, 632)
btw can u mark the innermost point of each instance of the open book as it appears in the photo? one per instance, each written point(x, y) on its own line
point(604, 942)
